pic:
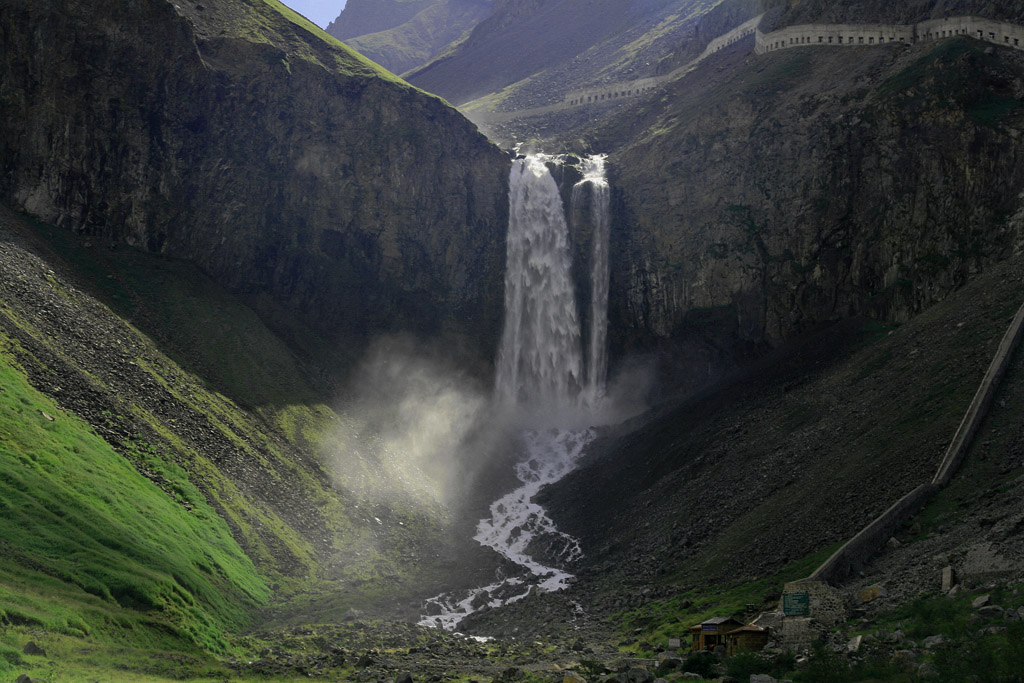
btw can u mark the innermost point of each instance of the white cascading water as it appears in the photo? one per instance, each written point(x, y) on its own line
point(594, 187)
point(539, 359)
point(539, 376)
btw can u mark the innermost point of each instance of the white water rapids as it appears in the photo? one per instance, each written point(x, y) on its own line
point(540, 377)
point(599, 198)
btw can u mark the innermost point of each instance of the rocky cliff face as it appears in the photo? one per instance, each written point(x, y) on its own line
point(288, 167)
point(811, 185)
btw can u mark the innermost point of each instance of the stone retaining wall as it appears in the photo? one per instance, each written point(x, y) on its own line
point(997, 32)
point(1000, 33)
point(980, 404)
point(858, 550)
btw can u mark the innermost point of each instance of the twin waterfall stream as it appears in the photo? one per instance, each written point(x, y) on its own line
point(542, 379)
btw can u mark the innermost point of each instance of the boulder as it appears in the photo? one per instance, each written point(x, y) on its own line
point(669, 660)
point(932, 642)
point(404, 678)
point(991, 611)
point(639, 674)
point(980, 601)
point(870, 593)
point(762, 678)
point(32, 649)
point(896, 637)
point(947, 579)
point(573, 677)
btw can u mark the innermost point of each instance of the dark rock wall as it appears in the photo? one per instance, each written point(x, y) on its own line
point(817, 185)
point(282, 165)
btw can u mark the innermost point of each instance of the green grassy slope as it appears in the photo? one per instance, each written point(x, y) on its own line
point(270, 21)
point(92, 547)
point(156, 510)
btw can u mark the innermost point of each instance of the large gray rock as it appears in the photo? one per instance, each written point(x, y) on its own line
point(639, 674)
point(669, 660)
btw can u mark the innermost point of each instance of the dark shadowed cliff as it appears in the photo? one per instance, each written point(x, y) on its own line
point(811, 185)
point(287, 167)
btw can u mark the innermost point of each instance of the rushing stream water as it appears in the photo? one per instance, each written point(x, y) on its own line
point(540, 372)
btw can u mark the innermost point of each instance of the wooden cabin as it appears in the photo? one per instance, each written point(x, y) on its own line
point(749, 638)
point(707, 634)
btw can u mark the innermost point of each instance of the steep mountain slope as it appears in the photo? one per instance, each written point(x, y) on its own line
point(525, 42)
point(287, 166)
point(360, 17)
point(405, 42)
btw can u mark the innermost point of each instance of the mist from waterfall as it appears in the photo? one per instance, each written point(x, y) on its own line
point(539, 382)
point(594, 189)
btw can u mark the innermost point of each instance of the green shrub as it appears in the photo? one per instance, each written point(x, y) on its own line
point(701, 663)
point(931, 616)
point(996, 658)
point(746, 663)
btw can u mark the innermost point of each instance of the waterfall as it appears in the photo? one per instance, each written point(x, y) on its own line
point(594, 187)
point(539, 361)
point(540, 368)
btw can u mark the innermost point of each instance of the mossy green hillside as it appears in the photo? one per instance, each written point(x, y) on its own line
point(179, 375)
point(94, 548)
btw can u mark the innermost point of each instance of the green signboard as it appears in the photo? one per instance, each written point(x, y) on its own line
point(796, 604)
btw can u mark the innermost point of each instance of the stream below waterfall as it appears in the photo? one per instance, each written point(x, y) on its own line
point(541, 372)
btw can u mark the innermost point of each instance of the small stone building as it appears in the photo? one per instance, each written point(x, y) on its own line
point(707, 634)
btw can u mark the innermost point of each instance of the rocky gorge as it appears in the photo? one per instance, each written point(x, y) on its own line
point(252, 293)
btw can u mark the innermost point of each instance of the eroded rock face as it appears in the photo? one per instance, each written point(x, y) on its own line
point(284, 165)
point(817, 185)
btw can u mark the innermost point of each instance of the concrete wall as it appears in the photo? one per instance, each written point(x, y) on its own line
point(1000, 33)
point(858, 550)
point(727, 39)
point(980, 404)
point(611, 92)
point(641, 86)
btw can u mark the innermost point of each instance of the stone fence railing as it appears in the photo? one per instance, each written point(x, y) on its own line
point(998, 32)
point(624, 89)
point(643, 85)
